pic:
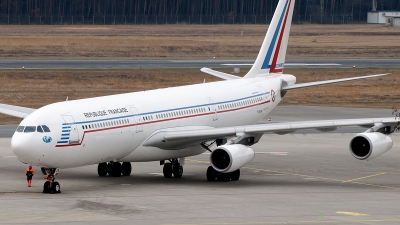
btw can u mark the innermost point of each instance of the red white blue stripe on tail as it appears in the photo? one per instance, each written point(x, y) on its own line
point(271, 58)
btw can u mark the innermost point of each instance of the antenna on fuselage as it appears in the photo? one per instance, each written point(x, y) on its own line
point(66, 99)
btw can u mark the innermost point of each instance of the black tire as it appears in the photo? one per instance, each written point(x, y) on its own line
point(177, 170)
point(116, 169)
point(102, 169)
point(55, 188)
point(46, 187)
point(224, 177)
point(211, 174)
point(167, 170)
point(126, 169)
point(235, 175)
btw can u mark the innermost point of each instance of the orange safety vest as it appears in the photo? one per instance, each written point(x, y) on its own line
point(29, 170)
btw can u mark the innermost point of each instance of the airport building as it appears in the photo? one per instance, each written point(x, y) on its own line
point(390, 18)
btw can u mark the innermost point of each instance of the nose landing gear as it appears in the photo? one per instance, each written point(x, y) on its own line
point(51, 186)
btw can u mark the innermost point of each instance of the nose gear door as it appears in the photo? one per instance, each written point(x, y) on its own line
point(69, 127)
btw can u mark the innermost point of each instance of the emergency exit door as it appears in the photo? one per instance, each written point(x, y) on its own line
point(69, 127)
point(137, 118)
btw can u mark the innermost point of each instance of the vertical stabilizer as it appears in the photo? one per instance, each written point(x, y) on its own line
point(271, 58)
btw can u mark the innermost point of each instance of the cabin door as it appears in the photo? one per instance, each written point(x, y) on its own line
point(70, 129)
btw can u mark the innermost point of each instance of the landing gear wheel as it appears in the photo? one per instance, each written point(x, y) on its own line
point(177, 170)
point(55, 188)
point(51, 186)
point(102, 169)
point(211, 174)
point(167, 170)
point(235, 175)
point(46, 187)
point(116, 169)
point(126, 169)
point(224, 177)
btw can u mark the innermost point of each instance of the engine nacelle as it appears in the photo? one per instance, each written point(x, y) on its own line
point(370, 145)
point(228, 158)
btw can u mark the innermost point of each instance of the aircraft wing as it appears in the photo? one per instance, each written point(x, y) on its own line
point(221, 75)
point(17, 111)
point(175, 139)
point(317, 83)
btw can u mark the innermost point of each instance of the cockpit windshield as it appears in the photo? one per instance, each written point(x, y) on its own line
point(31, 129)
point(20, 129)
point(45, 128)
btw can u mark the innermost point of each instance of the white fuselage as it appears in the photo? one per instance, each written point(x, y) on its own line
point(113, 128)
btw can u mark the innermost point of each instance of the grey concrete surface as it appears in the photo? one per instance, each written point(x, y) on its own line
point(212, 63)
point(7, 130)
point(294, 179)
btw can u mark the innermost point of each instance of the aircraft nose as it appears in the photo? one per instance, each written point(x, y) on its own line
point(21, 148)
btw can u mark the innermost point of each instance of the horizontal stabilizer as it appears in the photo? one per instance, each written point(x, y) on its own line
point(17, 111)
point(317, 83)
point(221, 75)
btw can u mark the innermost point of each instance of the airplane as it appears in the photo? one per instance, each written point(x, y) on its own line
point(168, 125)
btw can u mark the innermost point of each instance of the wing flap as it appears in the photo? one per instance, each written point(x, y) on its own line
point(317, 83)
point(17, 111)
point(221, 75)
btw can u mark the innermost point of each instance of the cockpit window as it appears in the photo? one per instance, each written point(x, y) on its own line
point(45, 128)
point(39, 129)
point(29, 129)
point(20, 128)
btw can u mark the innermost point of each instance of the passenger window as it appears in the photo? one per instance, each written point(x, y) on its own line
point(29, 129)
point(39, 129)
point(46, 128)
point(20, 129)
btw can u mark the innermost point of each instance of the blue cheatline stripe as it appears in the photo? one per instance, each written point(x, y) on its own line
point(170, 110)
point(64, 138)
point(64, 134)
point(66, 131)
point(271, 48)
point(62, 142)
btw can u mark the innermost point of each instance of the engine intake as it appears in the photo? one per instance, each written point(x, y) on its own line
point(370, 145)
point(228, 158)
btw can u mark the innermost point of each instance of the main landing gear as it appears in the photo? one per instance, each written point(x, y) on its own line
point(51, 186)
point(213, 175)
point(115, 169)
point(173, 167)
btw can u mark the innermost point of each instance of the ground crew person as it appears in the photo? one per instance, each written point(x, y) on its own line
point(29, 172)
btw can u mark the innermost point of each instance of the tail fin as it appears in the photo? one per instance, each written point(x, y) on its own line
point(271, 58)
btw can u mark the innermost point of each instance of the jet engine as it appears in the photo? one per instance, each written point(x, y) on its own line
point(228, 158)
point(370, 145)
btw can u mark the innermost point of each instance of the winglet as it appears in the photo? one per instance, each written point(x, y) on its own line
point(271, 58)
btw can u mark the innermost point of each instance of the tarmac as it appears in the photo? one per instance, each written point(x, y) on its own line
point(300, 178)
